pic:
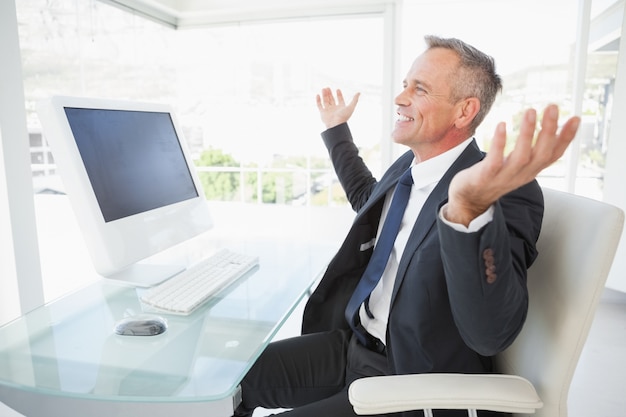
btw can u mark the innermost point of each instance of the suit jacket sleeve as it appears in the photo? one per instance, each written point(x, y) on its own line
point(354, 176)
point(486, 271)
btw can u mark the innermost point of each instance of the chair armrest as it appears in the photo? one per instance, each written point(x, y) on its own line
point(395, 393)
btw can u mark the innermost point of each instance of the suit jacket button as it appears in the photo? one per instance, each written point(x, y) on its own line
point(490, 267)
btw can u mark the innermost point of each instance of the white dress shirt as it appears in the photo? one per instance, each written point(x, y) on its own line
point(426, 175)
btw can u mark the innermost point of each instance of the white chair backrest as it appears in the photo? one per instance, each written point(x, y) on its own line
point(578, 240)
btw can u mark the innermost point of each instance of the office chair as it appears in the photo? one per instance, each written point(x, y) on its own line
point(576, 247)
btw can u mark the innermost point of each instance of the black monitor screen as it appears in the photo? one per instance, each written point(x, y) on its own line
point(133, 159)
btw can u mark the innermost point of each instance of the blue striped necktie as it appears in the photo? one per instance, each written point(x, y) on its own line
point(382, 250)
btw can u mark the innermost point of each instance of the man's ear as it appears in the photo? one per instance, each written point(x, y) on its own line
point(467, 109)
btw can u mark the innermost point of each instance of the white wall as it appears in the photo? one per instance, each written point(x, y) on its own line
point(18, 243)
point(9, 306)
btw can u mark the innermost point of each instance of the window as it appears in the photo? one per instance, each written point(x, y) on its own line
point(245, 93)
point(598, 94)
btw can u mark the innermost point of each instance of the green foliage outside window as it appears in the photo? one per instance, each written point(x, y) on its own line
point(284, 182)
point(218, 185)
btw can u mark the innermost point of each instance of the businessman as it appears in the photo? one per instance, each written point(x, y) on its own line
point(442, 290)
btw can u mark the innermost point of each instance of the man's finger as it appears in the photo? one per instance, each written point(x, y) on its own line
point(495, 156)
point(355, 100)
point(340, 99)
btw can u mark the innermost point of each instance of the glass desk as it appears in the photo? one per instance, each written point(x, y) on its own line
point(64, 359)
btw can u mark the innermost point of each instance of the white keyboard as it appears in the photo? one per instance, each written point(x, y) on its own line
point(188, 290)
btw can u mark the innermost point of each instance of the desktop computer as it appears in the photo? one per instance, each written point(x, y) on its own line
point(130, 179)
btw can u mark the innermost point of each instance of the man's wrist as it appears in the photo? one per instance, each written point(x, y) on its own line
point(474, 223)
point(461, 215)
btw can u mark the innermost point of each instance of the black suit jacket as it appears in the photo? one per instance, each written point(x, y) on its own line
point(447, 314)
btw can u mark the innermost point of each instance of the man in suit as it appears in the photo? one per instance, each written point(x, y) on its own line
point(453, 291)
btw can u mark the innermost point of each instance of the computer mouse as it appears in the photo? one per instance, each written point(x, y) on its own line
point(143, 325)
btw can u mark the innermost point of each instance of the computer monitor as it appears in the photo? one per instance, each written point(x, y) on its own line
point(130, 180)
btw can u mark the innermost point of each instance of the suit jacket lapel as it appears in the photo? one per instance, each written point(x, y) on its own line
point(428, 215)
point(389, 180)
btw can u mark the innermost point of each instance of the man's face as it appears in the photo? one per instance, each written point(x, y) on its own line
point(426, 115)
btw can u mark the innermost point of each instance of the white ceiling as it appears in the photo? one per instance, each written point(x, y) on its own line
point(605, 31)
point(189, 13)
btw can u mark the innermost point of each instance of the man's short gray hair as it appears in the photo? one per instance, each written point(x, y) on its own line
point(477, 75)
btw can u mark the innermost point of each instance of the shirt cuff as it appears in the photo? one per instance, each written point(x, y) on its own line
point(474, 226)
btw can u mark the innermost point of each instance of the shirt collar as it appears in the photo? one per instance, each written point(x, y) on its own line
point(430, 171)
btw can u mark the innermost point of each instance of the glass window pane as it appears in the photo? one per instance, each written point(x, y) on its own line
point(252, 91)
point(245, 94)
point(599, 90)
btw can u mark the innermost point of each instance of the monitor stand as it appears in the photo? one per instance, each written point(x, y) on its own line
point(146, 274)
